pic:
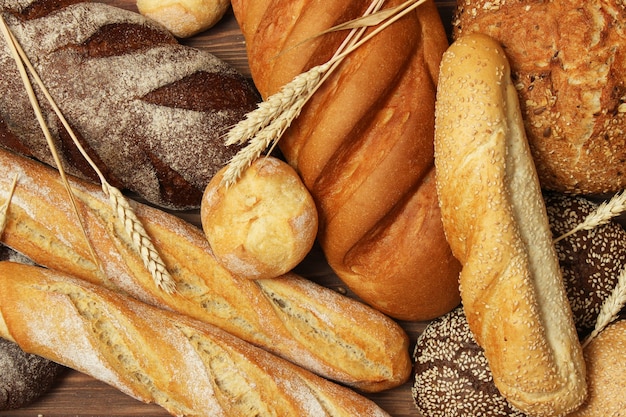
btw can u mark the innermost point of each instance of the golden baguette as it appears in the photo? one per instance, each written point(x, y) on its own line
point(313, 326)
point(496, 222)
point(187, 367)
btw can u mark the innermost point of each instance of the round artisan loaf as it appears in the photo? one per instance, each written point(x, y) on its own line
point(452, 375)
point(569, 68)
point(24, 377)
point(606, 373)
point(264, 224)
point(184, 18)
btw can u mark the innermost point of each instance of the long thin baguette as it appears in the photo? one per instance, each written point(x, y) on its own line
point(496, 223)
point(188, 367)
point(328, 333)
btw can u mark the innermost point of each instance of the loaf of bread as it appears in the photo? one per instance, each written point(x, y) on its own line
point(495, 219)
point(25, 377)
point(363, 145)
point(188, 367)
point(606, 373)
point(569, 71)
point(316, 327)
point(150, 112)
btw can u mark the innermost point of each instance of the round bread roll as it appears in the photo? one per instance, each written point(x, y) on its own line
point(184, 18)
point(263, 225)
point(452, 375)
point(25, 377)
point(590, 260)
point(568, 63)
point(606, 373)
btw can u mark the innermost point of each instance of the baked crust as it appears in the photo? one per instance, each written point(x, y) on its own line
point(568, 62)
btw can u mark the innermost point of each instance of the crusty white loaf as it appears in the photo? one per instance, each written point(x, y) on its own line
point(188, 367)
point(496, 222)
point(149, 111)
point(569, 68)
point(314, 326)
point(364, 145)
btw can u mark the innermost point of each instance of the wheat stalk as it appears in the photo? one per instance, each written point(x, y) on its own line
point(142, 243)
point(5, 206)
point(601, 215)
point(18, 53)
point(265, 125)
point(611, 307)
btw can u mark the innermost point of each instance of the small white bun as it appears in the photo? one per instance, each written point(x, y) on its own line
point(184, 18)
point(606, 373)
point(263, 225)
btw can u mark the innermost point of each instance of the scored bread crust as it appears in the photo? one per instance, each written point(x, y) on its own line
point(311, 325)
point(363, 145)
point(149, 112)
point(187, 367)
point(496, 222)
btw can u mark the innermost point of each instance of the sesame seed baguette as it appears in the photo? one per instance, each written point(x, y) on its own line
point(187, 367)
point(496, 222)
point(313, 326)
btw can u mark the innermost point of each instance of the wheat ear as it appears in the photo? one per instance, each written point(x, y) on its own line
point(18, 56)
point(265, 125)
point(610, 307)
point(5, 206)
point(601, 215)
point(142, 243)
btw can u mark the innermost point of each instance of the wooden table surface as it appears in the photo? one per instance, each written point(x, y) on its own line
point(76, 394)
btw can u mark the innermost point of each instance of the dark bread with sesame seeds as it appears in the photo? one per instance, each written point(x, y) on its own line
point(569, 67)
point(452, 375)
point(591, 260)
point(149, 111)
point(495, 219)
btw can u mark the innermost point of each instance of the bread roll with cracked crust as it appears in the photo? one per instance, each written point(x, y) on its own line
point(496, 222)
point(263, 225)
point(184, 18)
point(364, 145)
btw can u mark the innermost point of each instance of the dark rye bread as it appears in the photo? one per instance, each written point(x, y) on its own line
point(24, 377)
point(150, 112)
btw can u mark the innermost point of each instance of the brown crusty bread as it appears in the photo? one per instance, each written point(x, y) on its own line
point(363, 145)
point(606, 373)
point(313, 326)
point(569, 70)
point(187, 367)
point(150, 112)
point(496, 222)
